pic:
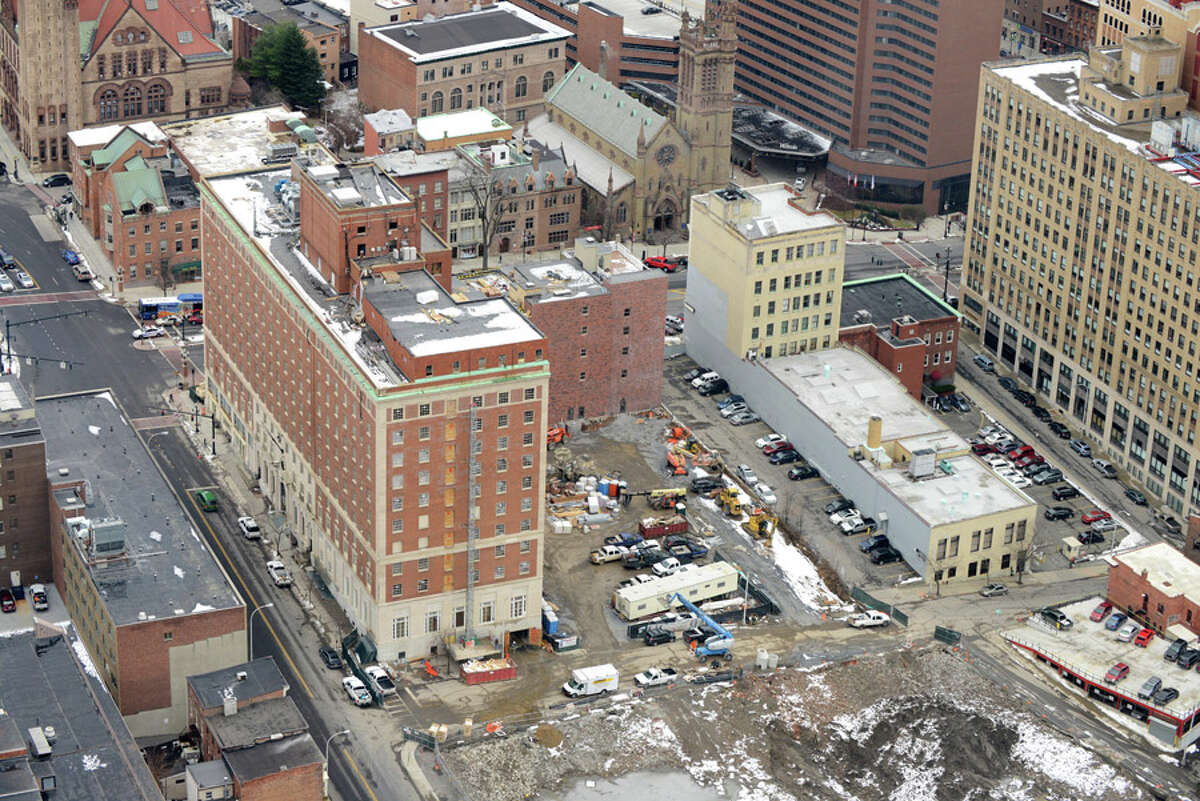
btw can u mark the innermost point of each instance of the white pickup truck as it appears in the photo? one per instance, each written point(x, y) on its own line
point(869, 619)
point(653, 677)
point(608, 553)
point(279, 573)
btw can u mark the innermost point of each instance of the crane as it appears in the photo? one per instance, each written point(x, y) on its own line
point(720, 643)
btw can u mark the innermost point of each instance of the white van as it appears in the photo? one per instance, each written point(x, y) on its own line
point(595, 680)
point(37, 594)
point(707, 378)
point(985, 363)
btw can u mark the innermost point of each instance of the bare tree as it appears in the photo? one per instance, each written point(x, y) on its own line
point(487, 195)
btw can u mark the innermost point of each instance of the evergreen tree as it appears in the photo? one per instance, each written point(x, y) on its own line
point(283, 58)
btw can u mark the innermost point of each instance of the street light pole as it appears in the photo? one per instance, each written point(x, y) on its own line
point(250, 627)
point(325, 768)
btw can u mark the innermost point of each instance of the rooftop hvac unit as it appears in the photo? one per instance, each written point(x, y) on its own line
point(38, 743)
point(923, 463)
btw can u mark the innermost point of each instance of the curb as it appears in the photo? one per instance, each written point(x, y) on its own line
point(408, 761)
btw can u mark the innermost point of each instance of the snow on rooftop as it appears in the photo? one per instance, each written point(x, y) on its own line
point(90, 137)
point(775, 202)
point(229, 143)
point(503, 325)
point(469, 122)
point(1166, 569)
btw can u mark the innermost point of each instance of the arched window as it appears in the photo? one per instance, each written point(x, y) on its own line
point(156, 99)
point(547, 82)
point(622, 213)
point(521, 88)
point(455, 99)
point(133, 102)
point(436, 103)
point(109, 106)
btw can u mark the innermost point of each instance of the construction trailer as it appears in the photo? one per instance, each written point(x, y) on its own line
point(696, 584)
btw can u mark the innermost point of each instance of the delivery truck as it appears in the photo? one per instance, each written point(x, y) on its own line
point(595, 680)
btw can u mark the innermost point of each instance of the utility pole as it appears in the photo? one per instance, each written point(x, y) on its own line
point(946, 287)
point(9, 325)
point(472, 522)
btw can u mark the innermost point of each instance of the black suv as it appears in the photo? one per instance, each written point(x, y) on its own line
point(1173, 650)
point(657, 635)
point(1064, 492)
point(1059, 513)
point(874, 542)
point(838, 506)
point(1055, 617)
point(715, 387)
point(1188, 658)
point(1090, 537)
point(885, 555)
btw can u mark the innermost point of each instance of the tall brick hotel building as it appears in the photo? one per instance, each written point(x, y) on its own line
point(355, 389)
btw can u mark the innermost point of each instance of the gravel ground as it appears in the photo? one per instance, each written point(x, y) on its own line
point(911, 726)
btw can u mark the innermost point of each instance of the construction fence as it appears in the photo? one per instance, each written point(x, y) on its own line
point(863, 597)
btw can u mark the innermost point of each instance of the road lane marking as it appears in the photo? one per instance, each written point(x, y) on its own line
point(249, 595)
point(361, 778)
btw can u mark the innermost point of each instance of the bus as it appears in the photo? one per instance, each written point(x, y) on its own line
point(177, 307)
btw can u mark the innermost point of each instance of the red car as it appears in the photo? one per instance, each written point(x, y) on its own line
point(7, 602)
point(1028, 459)
point(659, 263)
point(196, 318)
point(1116, 673)
point(1144, 637)
point(982, 449)
point(1101, 611)
point(781, 445)
point(1019, 452)
point(1094, 515)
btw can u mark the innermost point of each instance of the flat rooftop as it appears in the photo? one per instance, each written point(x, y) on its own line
point(1166, 569)
point(272, 757)
point(389, 121)
point(427, 321)
point(1090, 649)
point(250, 199)
point(469, 122)
point(362, 185)
point(562, 280)
point(228, 144)
point(663, 25)
point(94, 137)
point(93, 756)
point(168, 571)
point(771, 133)
point(256, 723)
point(844, 387)
point(497, 27)
point(410, 162)
point(887, 297)
point(18, 419)
point(260, 677)
point(1056, 81)
point(775, 213)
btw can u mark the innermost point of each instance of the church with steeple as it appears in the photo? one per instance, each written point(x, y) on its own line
point(640, 168)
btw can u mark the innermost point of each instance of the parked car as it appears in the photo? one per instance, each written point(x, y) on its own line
point(23, 279)
point(1055, 617)
point(694, 373)
point(1060, 430)
point(744, 418)
point(1127, 632)
point(1106, 469)
point(1116, 673)
point(863, 525)
point(653, 677)
point(1116, 619)
point(784, 457)
point(734, 408)
point(145, 332)
point(279, 573)
point(729, 400)
point(1135, 496)
point(985, 363)
point(993, 590)
point(667, 567)
point(1095, 514)
point(868, 619)
point(6, 283)
point(838, 505)
point(1050, 476)
point(886, 555)
point(1065, 493)
point(249, 527)
point(1100, 612)
point(70, 256)
point(780, 445)
point(1081, 447)
point(1101, 526)
point(1172, 652)
point(982, 449)
point(58, 179)
point(839, 517)
point(1007, 383)
point(38, 597)
point(1041, 413)
point(1017, 480)
point(356, 690)
point(1149, 687)
point(1143, 638)
point(960, 402)
point(380, 678)
point(206, 500)
point(1165, 696)
point(801, 472)
point(747, 474)
point(1058, 513)
point(658, 262)
point(765, 493)
point(1188, 658)
point(1090, 537)
point(767, 439)
point(7, 602)
point(874, 541)
point(705, 378)
point(657, 635)
point(330, 657)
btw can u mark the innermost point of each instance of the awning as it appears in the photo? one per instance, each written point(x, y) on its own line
point(182, 268)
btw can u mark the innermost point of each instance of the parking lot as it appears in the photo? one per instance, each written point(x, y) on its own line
point(800, 504)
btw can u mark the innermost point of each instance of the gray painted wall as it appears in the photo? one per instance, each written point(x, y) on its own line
point(779, 408)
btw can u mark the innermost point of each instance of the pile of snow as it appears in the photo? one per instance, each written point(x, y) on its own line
point(801, 575)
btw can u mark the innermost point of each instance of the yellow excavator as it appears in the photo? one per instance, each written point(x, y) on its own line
point(761, 524)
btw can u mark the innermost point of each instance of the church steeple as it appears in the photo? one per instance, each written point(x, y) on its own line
point(704, 112)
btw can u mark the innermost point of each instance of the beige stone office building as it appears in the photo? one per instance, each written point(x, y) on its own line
point(1080, 260)
point(764, 275)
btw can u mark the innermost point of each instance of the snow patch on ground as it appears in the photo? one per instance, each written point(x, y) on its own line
point(1064, 761)
point(801, 575)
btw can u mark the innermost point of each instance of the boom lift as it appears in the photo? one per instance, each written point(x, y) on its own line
point(720, 643)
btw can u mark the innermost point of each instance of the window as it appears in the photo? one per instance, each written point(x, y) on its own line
point(455, 99)
point(109, 107)
point(547, 82)
point(524, 569)
point(170, 635)
point(499, 571)
point(487, 612)
point(397, 525)
point(437, 103)
point(433, 621)
point(422, 585)
point(521, 88)
point(560, 218)
point(399, 627)
point(210, 96)
point(529, 394)
point(397, 590)
point(516, 607)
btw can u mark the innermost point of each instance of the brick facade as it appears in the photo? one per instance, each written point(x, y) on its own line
point(1131, 593)
point(303, 783)
point(24, 515)
point(933, 356)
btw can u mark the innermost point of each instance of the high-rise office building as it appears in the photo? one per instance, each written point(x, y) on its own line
point(1079, 267)
point(887, 81)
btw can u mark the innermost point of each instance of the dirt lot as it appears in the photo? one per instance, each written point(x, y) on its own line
point(911, 725)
